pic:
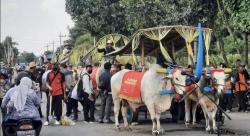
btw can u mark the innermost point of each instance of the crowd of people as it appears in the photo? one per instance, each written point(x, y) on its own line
point(64, 84)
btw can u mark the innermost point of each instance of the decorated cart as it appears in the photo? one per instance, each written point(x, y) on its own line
point(167, 40)
point(89, 54)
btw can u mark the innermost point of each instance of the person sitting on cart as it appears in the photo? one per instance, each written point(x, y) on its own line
point(108, 49)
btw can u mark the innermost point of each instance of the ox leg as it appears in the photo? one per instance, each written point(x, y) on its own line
point(209, 119)
point(124, 114)
point(158, 116)
point(116, 112)
point(215, 129)
point(194, 108)
point(187, 112)
point(151, 110)
point(206, 117)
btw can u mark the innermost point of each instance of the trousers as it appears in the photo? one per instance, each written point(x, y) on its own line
point(106, 103)
point(57, 106)
point(88, 108)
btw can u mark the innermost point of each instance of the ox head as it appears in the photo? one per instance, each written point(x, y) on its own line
point(218, 77)
point(181, 80)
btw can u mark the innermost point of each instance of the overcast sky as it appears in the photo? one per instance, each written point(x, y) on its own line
point(34, 23)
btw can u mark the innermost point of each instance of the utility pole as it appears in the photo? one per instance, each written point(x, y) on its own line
point(53, 44)
point(47, 47)
point(60, 37)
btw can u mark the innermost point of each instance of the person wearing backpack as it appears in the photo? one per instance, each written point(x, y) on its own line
point(88, 96)
point(56, 85)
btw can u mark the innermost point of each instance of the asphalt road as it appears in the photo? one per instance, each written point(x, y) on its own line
point(241, 120)
point(240, 125)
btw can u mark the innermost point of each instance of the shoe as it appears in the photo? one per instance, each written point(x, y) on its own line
point(108, 121)
point(85, 122)
point(46, 123)
point(100, 121)
point(246, 111)
point(134, 123)
point(57, 122)
point(91, 122)
point(228, 111)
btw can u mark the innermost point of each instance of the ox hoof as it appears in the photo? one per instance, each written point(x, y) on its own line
point(117, 128)
point(209, 131)
point(128, 129)
point(215, 130)
point(194, 124)
point(155, 132)
point(187, 124)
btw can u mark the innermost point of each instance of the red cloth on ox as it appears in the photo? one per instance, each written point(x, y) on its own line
point(131, 86)
point(190, 88)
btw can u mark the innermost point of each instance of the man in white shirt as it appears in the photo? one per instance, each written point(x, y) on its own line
point(88, 97)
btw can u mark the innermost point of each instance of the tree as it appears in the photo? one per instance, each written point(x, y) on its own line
point(102, 17)
point(26, 57)
point(234, 16)
point(240, 10)
point(99, 17)
point(85, 39)
point(9, 51)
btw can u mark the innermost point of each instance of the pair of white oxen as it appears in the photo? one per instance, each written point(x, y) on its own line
point(151, 85)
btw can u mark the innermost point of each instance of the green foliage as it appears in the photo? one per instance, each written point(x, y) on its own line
point(26, 57)
point(239, 14)
point(231, 47)
point(8, 51)
point(85, 39)
point(100, 17)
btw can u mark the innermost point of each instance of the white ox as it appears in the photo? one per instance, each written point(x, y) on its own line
point(200, 97)
point(151, 84)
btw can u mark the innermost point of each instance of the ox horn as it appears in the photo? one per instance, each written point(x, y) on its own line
point(200, 58)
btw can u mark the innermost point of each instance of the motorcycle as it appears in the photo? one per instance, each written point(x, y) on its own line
point(23, 127)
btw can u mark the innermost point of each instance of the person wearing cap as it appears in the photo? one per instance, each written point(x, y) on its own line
point(105, 92)
point(241, 86)
point(29, 72)
point(109, 48)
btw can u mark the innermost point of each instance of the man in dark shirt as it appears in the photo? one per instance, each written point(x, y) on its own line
point(105, 92)
point(108, 48)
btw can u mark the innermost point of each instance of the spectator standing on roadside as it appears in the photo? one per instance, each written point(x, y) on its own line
point(88, 96)
point(105, 92)
point(69, 87)
point(56, 85)
point(241, 87)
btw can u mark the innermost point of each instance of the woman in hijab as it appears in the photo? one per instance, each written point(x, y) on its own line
point(22, 102)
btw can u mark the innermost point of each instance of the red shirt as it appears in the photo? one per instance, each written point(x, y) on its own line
point(56, 83)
